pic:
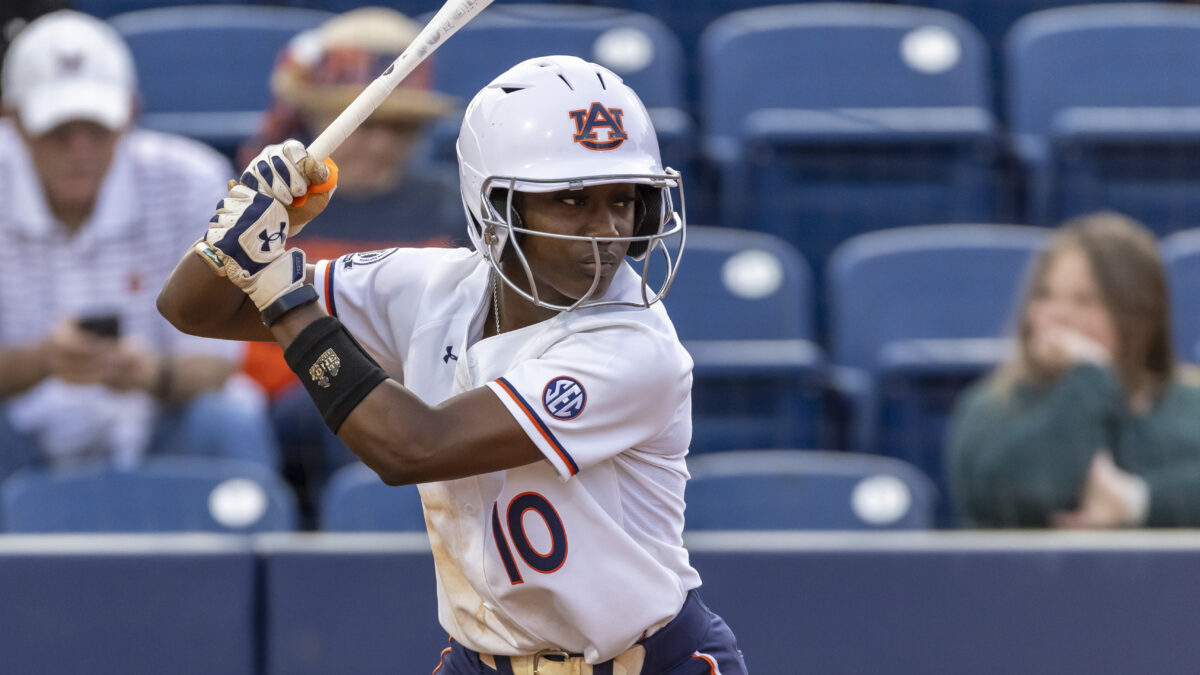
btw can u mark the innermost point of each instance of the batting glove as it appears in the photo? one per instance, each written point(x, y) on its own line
point(245, 242)
point(296, 179)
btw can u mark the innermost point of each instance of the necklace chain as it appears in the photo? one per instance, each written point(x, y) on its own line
point(496, 303)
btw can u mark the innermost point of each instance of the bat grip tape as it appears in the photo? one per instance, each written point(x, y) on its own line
point(334, 368)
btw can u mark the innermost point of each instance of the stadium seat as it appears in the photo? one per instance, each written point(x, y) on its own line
point(688, 21)
point(356, 500)
point(107, 8)
point(204, 70)
point(639, 48)
point(831, 119)
point(166, 494)
point(994, 18)
point(917, 314)
point(412, 8)
point(806, 490)
point(742, 304)
point(1104, 103)
point(1181, 256)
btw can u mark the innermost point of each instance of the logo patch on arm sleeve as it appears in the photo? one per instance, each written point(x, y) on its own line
point(564, 398)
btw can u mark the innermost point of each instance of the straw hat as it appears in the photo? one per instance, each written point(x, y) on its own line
point(323, 69)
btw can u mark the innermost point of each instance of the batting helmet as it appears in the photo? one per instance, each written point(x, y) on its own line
point(556, 123)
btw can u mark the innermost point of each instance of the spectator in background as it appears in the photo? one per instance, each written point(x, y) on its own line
point(388, 192)
point(1092, 424)
point(94, 215)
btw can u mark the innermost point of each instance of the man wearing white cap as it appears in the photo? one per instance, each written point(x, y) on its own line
point(95, 214)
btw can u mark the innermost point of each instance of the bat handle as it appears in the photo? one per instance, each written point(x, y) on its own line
point(319, 188)
point(355, 113)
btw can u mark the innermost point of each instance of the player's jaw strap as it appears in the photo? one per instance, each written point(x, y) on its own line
point(335, 370)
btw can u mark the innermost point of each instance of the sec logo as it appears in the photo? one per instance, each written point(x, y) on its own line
point(366, 257)
point(564, 398)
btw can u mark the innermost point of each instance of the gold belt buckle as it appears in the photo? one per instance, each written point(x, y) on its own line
point(537, 658)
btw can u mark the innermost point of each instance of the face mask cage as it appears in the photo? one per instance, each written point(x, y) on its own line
point(657, 253)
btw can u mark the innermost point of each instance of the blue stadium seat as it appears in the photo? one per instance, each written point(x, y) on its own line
point(994, 18)
point(107, 8)
point(742, 304)
point(917, 314)
point(637, 47)
point(1105, 110)
point(412, 8)
point(831, 119)
point(688, 20)
point(356, 500)
point(204, 70)
point(1181, 256)
point(166, 494)
point(806, 490)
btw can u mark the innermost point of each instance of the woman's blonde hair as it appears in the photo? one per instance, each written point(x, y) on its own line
point(1125, 263)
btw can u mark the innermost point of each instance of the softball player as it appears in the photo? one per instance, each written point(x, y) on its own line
point(533, 387)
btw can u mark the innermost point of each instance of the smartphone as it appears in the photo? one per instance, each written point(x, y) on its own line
point(101, 325)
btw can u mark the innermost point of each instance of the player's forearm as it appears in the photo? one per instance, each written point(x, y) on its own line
point(384, 428)
point(374, 430)
point(198, 302)
point(394, 432)
point(21, 368)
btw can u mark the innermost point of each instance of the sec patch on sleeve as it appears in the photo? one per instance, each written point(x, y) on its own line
point(564, 398)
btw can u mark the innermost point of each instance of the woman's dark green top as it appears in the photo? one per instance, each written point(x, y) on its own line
point(1016, 455)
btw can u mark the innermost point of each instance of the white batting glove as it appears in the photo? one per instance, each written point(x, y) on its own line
point(246, 243)
point(276, 172)
point(286, 172)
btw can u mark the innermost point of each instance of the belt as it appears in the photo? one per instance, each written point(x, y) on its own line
point(662, 650)
point(558, 662)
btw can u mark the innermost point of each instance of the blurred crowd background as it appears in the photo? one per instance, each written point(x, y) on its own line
point(942, 273)
point(868, 188)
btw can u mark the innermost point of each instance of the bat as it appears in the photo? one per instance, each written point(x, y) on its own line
point(452, 16)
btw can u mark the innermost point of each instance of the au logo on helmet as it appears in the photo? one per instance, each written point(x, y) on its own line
point(596, 117)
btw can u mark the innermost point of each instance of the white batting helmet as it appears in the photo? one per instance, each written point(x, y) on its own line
point(556, 123)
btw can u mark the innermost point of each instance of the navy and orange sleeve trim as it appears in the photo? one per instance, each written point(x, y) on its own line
point(330, 304)
point(545, 432)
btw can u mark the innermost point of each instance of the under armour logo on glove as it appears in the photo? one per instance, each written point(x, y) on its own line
point(245, 243)
point(248, 228)
point(268, 239)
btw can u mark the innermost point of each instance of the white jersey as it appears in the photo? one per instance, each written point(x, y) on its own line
point(583, 551)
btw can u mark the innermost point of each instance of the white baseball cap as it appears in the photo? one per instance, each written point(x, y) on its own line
point(68, 66)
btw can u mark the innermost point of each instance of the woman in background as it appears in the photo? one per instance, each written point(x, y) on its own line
point(1092, 424)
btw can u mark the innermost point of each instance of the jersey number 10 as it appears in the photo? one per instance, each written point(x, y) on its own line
point(514, 517)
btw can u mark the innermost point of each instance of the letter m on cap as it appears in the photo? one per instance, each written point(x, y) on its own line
point(589, 122)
